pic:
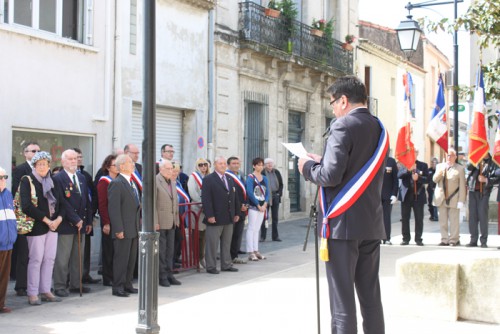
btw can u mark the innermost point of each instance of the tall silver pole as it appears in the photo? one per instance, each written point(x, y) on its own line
point(455, 83)
point(148, 238)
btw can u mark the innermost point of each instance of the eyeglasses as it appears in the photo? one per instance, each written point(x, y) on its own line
point(169, 151)
point(133, 152)
point(203, 165)
point(332, 102)
point(5, 177)
point(32, 151)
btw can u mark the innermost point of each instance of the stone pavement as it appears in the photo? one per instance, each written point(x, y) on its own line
point(276, 295)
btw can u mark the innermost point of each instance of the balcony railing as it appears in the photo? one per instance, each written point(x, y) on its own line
point(295, 38)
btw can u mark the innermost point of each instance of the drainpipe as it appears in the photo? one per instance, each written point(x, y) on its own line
point(117, 90)
point(211, 29)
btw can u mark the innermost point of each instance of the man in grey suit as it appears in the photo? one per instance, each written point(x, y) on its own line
point(353, 243)
point(124, 212)
point(167, 218)
point(222, 207)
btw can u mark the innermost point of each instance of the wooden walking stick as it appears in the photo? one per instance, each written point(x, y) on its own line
point(80, 262)
point(480, 183)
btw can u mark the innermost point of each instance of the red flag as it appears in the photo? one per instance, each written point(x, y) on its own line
point(405, 151)
point(478, 143)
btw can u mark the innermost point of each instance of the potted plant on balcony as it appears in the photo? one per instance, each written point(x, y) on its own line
point(318, 27)
point(349, 39)
point(272, 9)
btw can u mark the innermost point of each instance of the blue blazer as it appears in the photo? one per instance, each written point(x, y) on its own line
point(77, 205)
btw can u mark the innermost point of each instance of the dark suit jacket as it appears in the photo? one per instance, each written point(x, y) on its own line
point(350, 144)
point(123, 208)
point(18, 173)
point(391, 182)
point(406, 190)
point(488, 170)
point(280, 180)
point(138, 167)
point(240, 193)
point(218, 202)
point(77, 205)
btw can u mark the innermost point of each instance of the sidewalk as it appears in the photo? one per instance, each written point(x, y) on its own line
point(276, 295)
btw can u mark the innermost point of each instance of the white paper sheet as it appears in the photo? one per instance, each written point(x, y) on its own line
point(297, 149)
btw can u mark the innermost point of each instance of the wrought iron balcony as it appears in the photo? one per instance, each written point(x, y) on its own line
point(271, 35)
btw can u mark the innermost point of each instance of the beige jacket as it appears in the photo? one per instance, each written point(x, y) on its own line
point(167, 204)
point(455, 176)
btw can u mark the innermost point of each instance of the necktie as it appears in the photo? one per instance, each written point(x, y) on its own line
point(135, 192)
point(225, 181)
point(76, 184)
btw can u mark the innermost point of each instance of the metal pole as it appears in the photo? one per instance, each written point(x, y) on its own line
point(148, 238)
point(455, 83)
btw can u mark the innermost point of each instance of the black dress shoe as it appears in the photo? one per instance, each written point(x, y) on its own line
point(455, 244)
point(404, 243)
point(240, 252)
point(165, 283)
point(120, 293)
point(90, 280)
point(61, 293)
point(471, 244)
point(107, 283)
point(232, 269)
point(419, 243)
point(443, 244)
point(212, 271)
point(484, 245)
point(131, 290)
point(277, 239)
point(21, 292)
point(174, 281)
point(77, 290)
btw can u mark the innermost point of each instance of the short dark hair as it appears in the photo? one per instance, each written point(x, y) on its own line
point(107, 163)
point(165, 145)
point(231, 159)
point(77, 150)
point(257, 161)
point(350, 86)
point(25, 146)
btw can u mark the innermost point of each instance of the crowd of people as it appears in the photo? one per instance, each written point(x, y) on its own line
point(52, 259)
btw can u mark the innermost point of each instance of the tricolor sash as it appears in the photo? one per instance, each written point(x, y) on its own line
point(198, 178)
point(238, 182)
point(106, 178)
point(261, 189)
point(356, 186)
point(181, 193)
point(136, 177)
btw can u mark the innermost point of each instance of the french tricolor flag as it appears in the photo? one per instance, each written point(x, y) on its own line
point(438, 130)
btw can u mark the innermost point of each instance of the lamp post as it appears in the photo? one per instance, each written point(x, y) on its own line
point(408, 36)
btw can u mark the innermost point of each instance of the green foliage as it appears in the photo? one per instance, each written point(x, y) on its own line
point(289, 13)
point(483, 20)
point(273, 5)
point(329, 34)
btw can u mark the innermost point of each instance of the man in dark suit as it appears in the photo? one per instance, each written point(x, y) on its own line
point(389, 195)
point(353, 243)
point(93, 200)
point(276, 191)
point(234, 172)
point(412, 196)
point(19, 260)
point(124, 212)
point(78, 217)
point(221, 206)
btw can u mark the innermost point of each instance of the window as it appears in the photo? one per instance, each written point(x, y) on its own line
point(66, 18)
point(255, 138)
point(55, 144)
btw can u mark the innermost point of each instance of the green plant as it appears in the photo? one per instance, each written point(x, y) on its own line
point(318, 24)
point(328, 33)
point(350, 38)
point(273, 5)
point(289, 13)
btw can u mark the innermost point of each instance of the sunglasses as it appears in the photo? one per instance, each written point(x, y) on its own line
point(32, 151)
point(201, 165)
point(5, 177)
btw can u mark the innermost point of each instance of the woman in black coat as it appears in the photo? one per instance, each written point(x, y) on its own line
point(47, 211)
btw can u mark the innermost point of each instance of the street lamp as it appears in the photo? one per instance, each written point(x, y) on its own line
point(408, 36)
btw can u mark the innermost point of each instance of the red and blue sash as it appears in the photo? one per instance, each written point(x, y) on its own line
point(261, 190)
point(106, 178)
point(181, 193)
point(198, 179)
point(136, 177)
point(238, 182)
point(353, 189)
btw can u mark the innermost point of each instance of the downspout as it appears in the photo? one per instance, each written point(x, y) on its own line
point(117, 91)
point(211, 29)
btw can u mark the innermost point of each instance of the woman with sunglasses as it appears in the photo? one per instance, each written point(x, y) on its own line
point(195, 183)
point(8, 235)
point(47, 212)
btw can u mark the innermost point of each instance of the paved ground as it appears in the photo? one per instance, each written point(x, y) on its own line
point(276, 295)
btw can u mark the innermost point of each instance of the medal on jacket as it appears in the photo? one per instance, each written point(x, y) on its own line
point(352, 190)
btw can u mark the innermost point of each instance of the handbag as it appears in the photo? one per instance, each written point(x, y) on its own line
point(24, 223)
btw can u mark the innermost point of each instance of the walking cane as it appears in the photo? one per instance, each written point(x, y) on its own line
point(80, 262)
